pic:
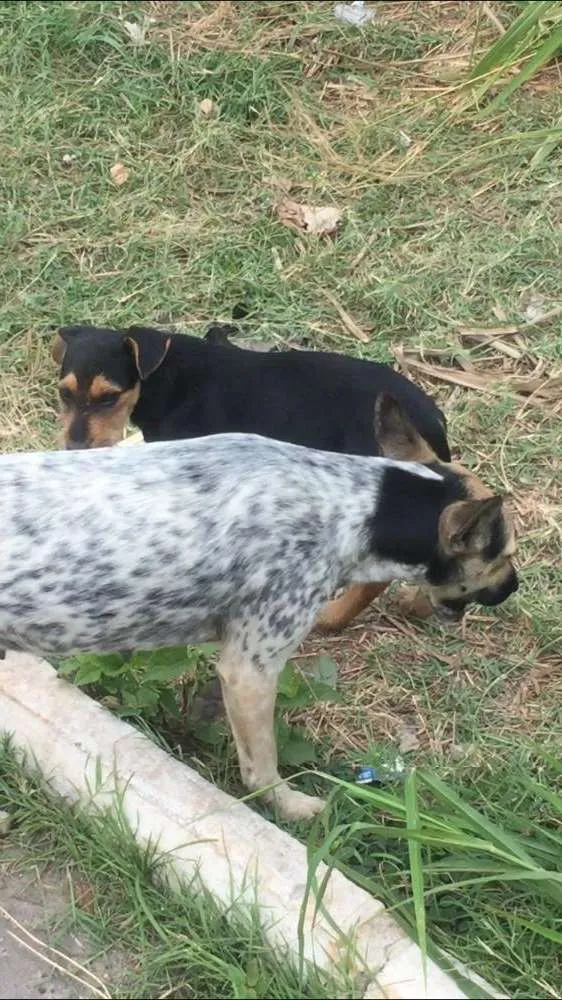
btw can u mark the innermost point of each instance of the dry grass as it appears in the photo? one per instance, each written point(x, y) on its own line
point(28, 415)
point(447, 259)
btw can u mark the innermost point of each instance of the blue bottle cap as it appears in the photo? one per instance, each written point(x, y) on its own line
point(367, 776)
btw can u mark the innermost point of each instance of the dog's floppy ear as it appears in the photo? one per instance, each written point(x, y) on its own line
point(396, 435)
point(60, 342)
point(149, 348)
point(466, 526)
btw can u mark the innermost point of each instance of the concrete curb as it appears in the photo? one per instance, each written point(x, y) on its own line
point(86, 753)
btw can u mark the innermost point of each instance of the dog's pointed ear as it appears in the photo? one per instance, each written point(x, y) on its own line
point(396, 435)
point(466, 527)
point(148, 347)
point(60, 342)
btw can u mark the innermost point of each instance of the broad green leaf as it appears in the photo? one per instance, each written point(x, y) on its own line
point(325, 671)
point(297, 752)
point(325, 692)
point(88, 672)
point(207, 649)
point(67, 667)
point(166, 664)
point(289, 682)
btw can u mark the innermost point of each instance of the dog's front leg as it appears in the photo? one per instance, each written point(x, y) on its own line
point(249, 694)
point(338, 613)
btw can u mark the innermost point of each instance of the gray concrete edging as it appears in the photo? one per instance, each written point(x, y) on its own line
point(87, 754)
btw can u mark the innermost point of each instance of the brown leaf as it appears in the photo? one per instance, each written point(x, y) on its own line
point(119, 173)
point(541, 387)
point(211, 20)
point(281, 183)
point(487, 333)
point(408, 737)
point(493, 337)
point(317, 220)
point(207, 107)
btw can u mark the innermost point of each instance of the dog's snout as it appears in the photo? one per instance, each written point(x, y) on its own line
point(490, 596)
point(77, 433)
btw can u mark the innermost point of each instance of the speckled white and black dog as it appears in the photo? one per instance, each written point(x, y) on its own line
point(234, 538)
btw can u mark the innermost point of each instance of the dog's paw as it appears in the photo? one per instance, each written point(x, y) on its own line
point(296, 805)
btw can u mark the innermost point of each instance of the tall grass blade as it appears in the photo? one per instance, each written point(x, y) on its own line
point(413, 821)
point(529, 41)
point(503, 52)
point(551, 45)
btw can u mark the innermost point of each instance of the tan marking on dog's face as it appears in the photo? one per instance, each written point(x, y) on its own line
point(69, 383)
point(468, 566)
point(107, 427)
point(100, 387)
point(95, 416)
point(474, 574)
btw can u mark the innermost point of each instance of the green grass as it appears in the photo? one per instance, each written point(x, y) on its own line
point(483, 869)
point(166, 945)
point(451, 220)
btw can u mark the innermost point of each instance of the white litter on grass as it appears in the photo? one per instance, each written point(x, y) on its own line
point(137, 32)
point(354, 13)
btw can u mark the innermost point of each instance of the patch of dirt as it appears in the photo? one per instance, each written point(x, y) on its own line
point(36, 963)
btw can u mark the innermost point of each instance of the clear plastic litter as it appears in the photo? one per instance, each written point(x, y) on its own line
point(354, 13)
point(383, 774)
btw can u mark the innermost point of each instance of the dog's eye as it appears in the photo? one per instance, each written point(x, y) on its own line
point(106, 399)
point(65, 395)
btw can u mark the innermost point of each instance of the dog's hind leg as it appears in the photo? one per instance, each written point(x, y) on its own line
point(249, 694)
point(339, 612)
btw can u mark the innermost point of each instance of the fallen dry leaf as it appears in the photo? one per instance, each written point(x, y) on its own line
point(207, 107)
point(535, 309)
point(492, 337)
point(210, 20)
point(543, 388)
point(487, 332)
point(317, 220)
point(119, 173)
point(408, 737)
point(281, 183)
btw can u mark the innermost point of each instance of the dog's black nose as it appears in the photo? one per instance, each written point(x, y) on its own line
point(491, 596)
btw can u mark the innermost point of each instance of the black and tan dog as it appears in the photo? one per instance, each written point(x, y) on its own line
point(174, 386)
